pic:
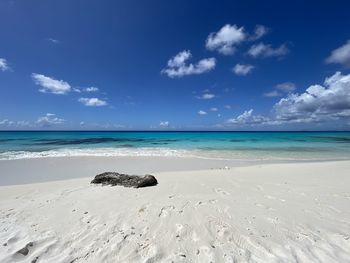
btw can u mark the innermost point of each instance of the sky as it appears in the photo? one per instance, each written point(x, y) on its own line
point(174, 65)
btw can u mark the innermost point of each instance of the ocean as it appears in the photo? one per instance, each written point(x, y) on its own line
point(240, 146)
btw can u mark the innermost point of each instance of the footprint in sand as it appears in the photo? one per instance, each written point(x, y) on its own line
point(264, 206)
point(211, 201)
point(179, 231)
point(165, 211)
point(143, 209)
point(205, 254)
point(221, 192)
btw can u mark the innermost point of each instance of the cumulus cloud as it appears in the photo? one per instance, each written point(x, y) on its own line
point(322, 104)
point(228, 107)
point(51, 85)
point(49, 119)
point(213, 109)
point(177, 66)
point(225, 40)
point(242, 70)
point(206, 96)
point(266, 50)
point(4, 65)
point(317, 103)
point(202, 112)
point(164, 124)
point(92, 102)
point(340, 55)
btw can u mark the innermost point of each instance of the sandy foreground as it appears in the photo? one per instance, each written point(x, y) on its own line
point(263, 213)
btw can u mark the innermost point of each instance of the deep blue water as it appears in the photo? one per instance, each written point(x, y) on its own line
point(227, 145)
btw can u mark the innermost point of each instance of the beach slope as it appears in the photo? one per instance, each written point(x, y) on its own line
point(264, 213)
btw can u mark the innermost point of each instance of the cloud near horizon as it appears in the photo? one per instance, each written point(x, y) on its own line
point(248, 118)
point(49, 119)
point(318, 104)
point(164, 124)
point(177, 66)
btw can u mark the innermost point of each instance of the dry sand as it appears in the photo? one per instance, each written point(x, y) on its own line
point(263, 213)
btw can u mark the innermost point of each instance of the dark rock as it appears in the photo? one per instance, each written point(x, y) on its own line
point(126, 180)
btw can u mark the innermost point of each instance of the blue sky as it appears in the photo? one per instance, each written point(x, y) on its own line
point(192, 65)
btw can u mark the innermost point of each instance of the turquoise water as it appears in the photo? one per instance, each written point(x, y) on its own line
point(213, 145)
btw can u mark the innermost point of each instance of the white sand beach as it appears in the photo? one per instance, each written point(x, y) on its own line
point(297, 212)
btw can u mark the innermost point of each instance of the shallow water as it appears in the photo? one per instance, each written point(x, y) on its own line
point(212, 145)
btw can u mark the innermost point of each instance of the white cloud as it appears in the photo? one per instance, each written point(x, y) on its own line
point(340, 55)
point(242, 70)
point(88, 89)
point(273, 93)
point(286, 87)
point(4, 122)
point(92, 102)
point(317, 103)
point(51, 85)
point(241, 118)
point(206, 96)
point(164, 124)
point(259, 32)
point(225, 40)
point(228, 107)
point(49, 119)
point(265, 50)
point(202, 112)
point(248, 118)
point(91, 89)
point(213, 109)
point(76, 90)
point(23, 124)
point(4, 65)
point(177, 66)
point(322, 104)
point(15, 124)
